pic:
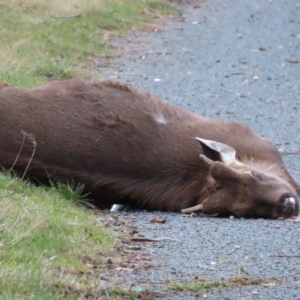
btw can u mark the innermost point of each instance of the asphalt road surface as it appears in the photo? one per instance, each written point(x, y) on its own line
point(232, 60)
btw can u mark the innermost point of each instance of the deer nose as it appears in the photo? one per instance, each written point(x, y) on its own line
point(291, 200)
point(290, 207)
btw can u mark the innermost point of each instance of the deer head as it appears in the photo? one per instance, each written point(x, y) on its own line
point(243, 190)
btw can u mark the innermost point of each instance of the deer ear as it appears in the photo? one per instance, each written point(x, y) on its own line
point(218, 152)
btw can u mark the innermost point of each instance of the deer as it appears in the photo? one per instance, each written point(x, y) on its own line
point(127, 147)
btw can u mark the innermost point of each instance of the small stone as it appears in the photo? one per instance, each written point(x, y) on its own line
point(109, 261)
point(255, 77)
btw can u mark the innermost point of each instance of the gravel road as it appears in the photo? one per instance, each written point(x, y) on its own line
point(233, 60)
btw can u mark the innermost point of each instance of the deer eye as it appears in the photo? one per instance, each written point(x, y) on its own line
point(257, 175)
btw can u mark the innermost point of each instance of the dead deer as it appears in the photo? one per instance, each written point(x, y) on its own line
point(128, 147)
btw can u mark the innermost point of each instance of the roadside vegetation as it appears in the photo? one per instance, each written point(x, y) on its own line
point(196, 285)
point(51, 246)
point(42, 40)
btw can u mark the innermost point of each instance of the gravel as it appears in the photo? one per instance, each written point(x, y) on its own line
point(232, 60)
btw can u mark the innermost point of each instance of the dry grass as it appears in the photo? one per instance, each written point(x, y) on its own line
point(58, 7)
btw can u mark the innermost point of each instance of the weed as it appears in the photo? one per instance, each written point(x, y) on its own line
point(196, 286)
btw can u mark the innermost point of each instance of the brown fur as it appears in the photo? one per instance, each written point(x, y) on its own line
point(128, 147)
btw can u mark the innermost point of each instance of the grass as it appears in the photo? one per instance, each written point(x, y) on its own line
point(196, 286)
point(51, 247)
point(118, 292)
point(47, 242)
point(48, 40)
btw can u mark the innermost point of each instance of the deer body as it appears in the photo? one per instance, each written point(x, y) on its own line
point(128, 147)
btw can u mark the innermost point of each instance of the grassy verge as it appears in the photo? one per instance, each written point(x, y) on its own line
point(51, 248)
point(48, 244)
point(45, 40)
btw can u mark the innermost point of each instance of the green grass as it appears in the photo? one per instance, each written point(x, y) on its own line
point(50, 40)
point(47, 242)
point(194, 287)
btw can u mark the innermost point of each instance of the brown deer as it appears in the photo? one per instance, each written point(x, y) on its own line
point(129, 147)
